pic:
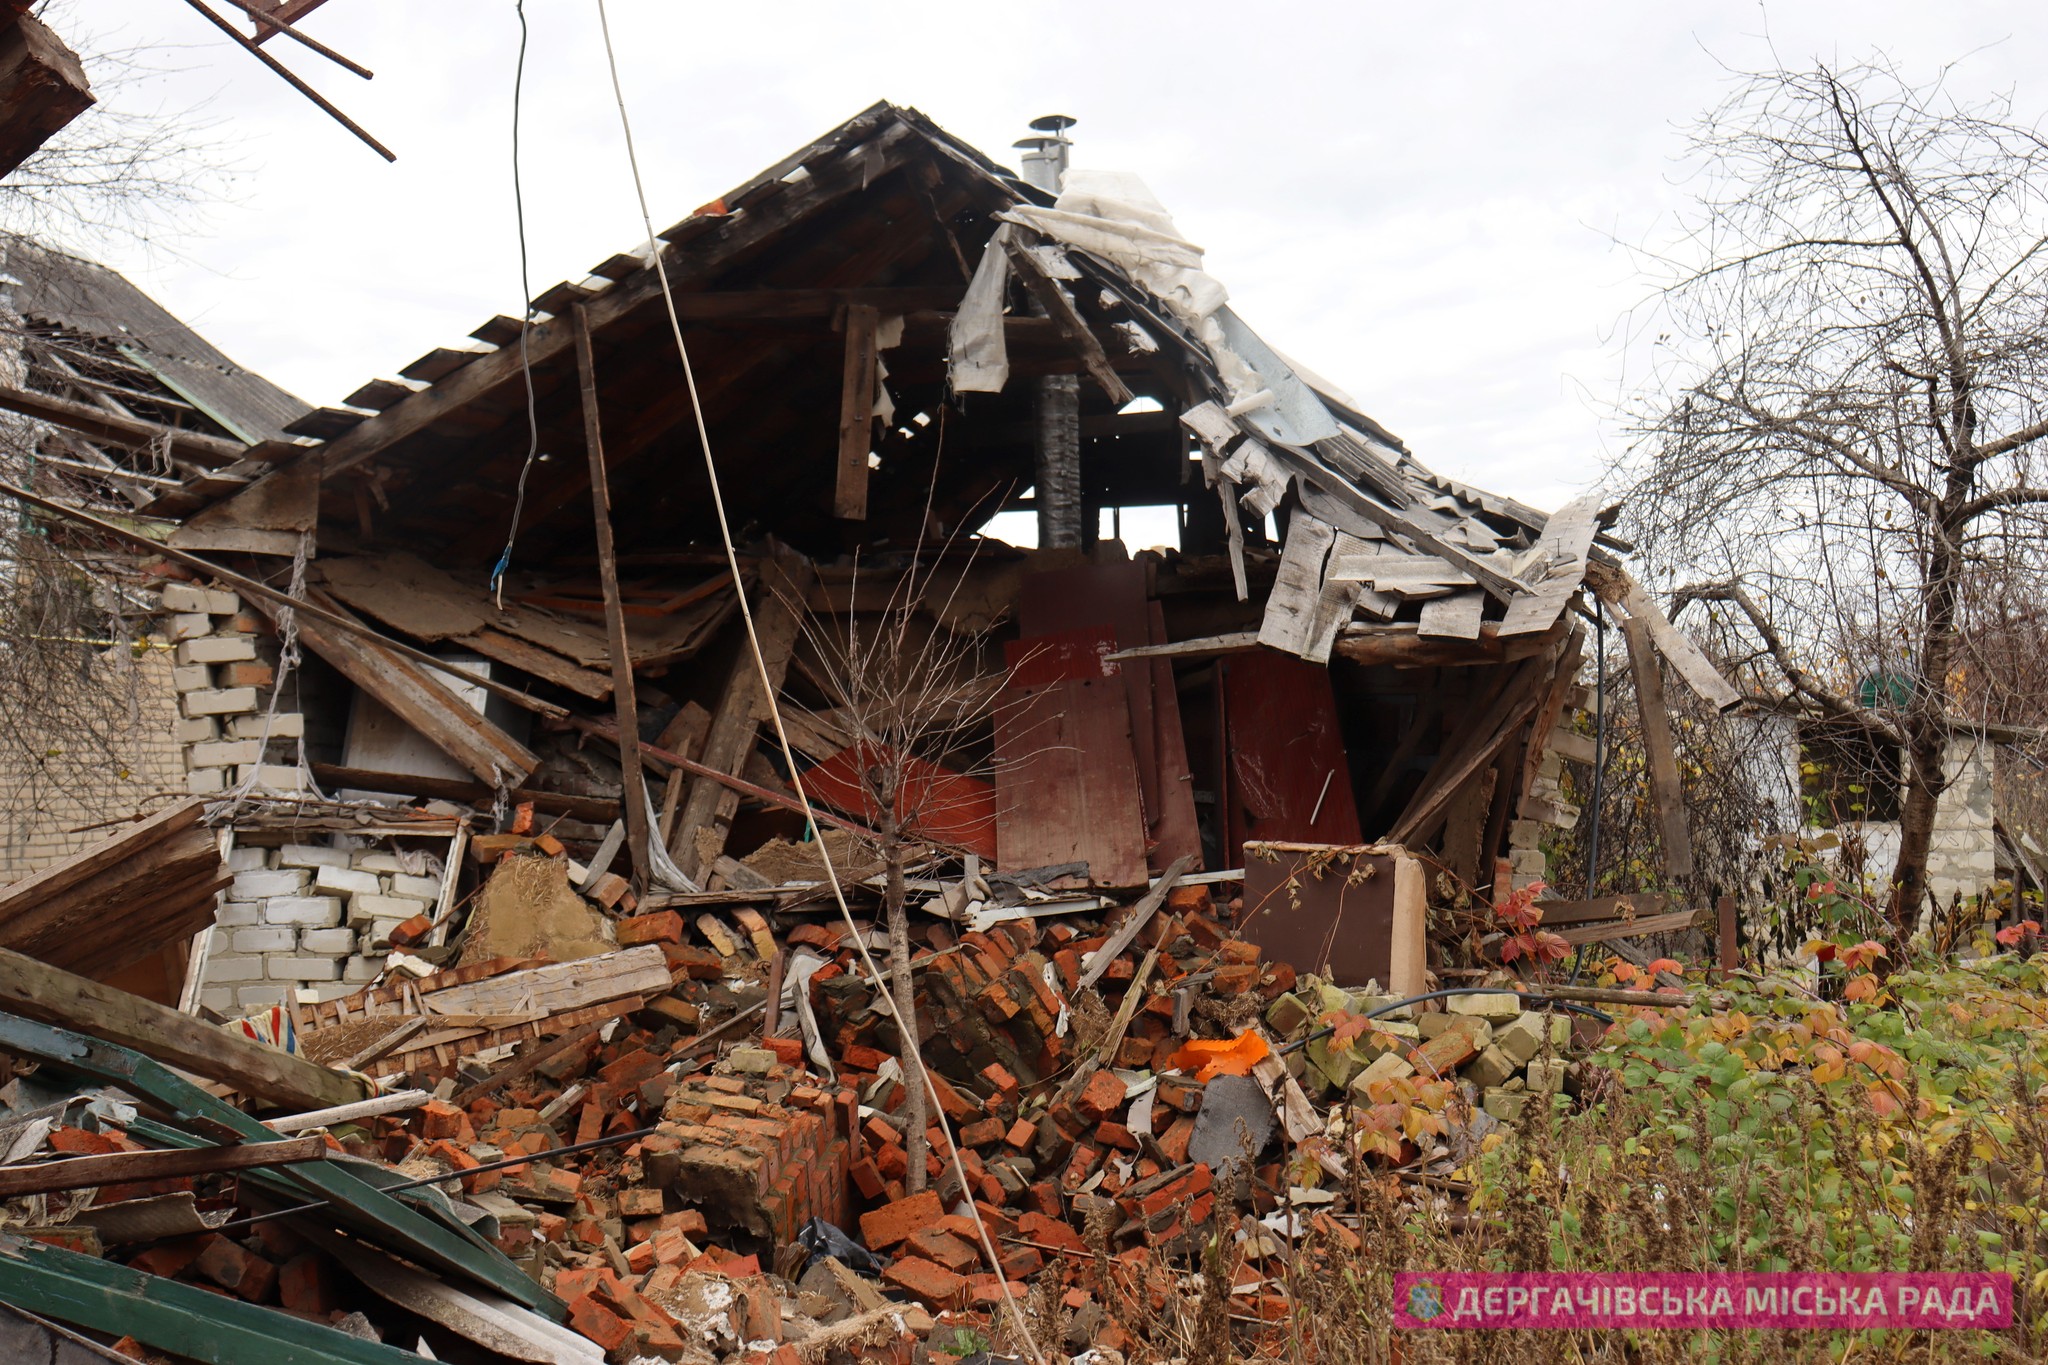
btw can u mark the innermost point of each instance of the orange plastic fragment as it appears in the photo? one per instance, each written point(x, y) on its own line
point(1211, 1057)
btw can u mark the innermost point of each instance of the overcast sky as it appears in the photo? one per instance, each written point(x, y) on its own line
point(1419, 202)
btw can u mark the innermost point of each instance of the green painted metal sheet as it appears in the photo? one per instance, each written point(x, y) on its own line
point(384, 1220)
point(179, 1318)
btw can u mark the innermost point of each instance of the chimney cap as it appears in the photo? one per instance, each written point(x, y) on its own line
point(1053, 123)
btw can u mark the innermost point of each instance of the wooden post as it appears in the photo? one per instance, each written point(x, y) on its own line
point(1729, 949)
point(1660, 751)
point(625, 705)
point(856, 412)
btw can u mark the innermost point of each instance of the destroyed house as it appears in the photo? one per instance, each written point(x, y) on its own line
point(486, 875)
point(893, 340)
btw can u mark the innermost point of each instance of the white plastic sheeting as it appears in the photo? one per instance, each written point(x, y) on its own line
point(980, 362)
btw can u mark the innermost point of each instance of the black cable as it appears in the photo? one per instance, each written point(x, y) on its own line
point(1528, 997)
point(526, 313)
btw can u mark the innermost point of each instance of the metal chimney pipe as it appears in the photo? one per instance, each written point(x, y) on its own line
point(1046, 155)
point(1062, 511)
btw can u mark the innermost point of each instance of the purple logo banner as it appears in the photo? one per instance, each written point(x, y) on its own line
point(1820, 1301)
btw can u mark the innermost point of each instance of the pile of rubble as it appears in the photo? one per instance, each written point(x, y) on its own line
point(692, 1145)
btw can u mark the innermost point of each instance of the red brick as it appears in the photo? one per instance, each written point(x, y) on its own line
point(235, 1268)
point(1233, 980)
point(929, 1283)
point(866, 1179)
point(892, 1223)
point(79, 1142)
point(936, 1244)
point(598, 1323)
point(443, 1121)
point(1101, 1098)
point(413, 932)
point(1174, 1142)
point(788, 1051)
point(1117, 1136)
point(580, 1280)
point(757, 1313)
point(633, 1068)
point(168, 1259)
point(245, 673)
point(984, 1133)
point(663, 926)
point(308, 1284)
point(698, 964)
point(1050, 1232)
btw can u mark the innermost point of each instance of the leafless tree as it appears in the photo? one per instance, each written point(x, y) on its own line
point(912, 696)
point(131, 168)
point(1841, 437)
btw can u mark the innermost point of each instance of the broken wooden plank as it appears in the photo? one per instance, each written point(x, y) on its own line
point(1609, 908)
point(41, 992)
point(422, 701)
point(1297, 585)
point(1235, 642)
point(1405, 570)
point(117, 1168)
point(1635, 928)
point(1455, 617)
point(1132, 923)
point(544, 664)
point(270, 598)
point(1060, 308)
point(1660, 749)
point(857, 386)
point(709, 806)
point(1067, 787)
point(43, 87)
point(1678, 649)
point(1557, 567)
point(625, 703)
point(595, 809)
point(1339, 602)
point(104, 426)
point(1479, 740)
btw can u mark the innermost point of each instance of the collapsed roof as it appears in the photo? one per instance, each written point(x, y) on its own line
point(889, 212)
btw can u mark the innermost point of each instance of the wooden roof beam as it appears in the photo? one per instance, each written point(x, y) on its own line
point(88, 420)
point(42, 88)
point(551, 340)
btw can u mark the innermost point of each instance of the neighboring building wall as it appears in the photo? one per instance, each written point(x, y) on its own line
point(47, 803)
point(1962, 858)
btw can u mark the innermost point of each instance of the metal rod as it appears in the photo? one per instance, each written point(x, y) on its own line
point(549, 1155)
point(308, 91)
point(276, 25)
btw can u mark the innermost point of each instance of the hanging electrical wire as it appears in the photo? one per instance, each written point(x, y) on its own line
point(769, 691)
point(525, 321)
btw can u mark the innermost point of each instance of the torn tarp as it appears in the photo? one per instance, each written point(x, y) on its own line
point(980, 360)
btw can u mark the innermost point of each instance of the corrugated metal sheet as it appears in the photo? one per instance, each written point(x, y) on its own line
point(83, 297)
